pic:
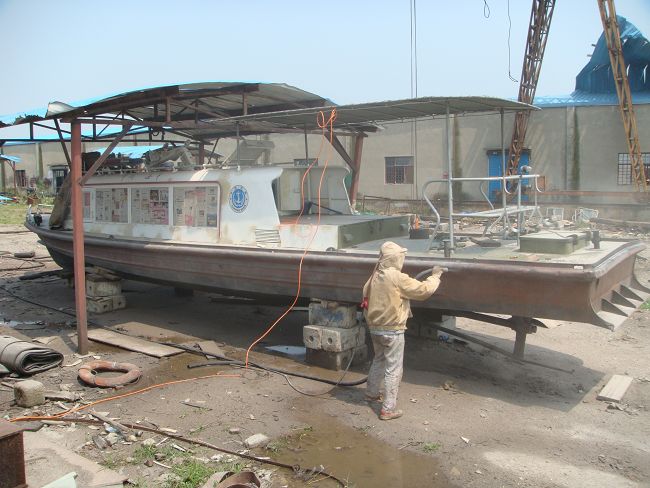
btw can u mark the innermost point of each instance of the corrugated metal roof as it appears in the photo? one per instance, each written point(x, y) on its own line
point(223, 98)
point(367, 114)
point(221, 109)
point(13, 159)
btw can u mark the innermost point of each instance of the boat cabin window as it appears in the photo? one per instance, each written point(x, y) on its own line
point(196, 206)
point(112, 205)
point(150, 205)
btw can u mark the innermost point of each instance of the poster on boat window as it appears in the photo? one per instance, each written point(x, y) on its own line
point(87, 204)
point(196, 206)
point(150, 206)
point(112, 205)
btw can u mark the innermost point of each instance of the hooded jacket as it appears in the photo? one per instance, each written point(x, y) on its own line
point(389, 290)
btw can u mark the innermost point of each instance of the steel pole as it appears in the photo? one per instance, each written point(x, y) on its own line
point(78, 241)
point(450, 197)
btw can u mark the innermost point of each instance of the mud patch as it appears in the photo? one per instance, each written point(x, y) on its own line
point(357, 458)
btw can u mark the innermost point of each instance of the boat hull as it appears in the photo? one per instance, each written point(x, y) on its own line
point(603, 294)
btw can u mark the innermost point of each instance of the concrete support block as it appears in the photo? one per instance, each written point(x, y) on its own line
point(337, 360)
point(312, 336)
point(334, 339)
point(332, 314)
point(29, 393)
point(102, 285)
point(105, 304)
point(431, 331)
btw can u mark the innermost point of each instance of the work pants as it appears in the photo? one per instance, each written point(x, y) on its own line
point(387, 365)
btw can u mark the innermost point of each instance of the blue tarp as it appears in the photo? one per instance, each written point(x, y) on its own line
point(581, 98)
point(596, 76)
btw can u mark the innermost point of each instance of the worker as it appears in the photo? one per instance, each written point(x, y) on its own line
point(386, 309)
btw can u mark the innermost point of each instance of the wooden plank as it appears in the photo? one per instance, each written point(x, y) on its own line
point(211, 347)
point(132, 343)
point(615, 388)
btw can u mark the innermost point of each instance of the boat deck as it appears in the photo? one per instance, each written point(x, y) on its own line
point(508, 251)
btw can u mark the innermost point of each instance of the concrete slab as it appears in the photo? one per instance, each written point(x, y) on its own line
point(46, 461)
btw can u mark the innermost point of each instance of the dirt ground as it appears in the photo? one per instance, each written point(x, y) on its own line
point(472, 417)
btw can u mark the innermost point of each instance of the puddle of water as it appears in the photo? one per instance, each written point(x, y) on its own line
point(359, 459)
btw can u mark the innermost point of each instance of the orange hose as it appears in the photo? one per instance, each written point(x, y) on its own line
point(323, 124)
point(123, 395)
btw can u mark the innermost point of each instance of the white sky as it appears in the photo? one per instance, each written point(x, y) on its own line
point(349, 51)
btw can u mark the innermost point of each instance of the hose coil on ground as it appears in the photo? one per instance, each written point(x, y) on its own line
point(88, 373)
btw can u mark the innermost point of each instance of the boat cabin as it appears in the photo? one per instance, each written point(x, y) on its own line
point(260, 206)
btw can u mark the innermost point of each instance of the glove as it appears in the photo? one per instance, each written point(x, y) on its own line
point(438, 270)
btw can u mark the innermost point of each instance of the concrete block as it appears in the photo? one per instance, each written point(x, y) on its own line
point(337, 360)
point(99, 305)
point(103, 286)
point(105, 304)
point(119, 301)
point(332, 314)
point(29, 393)
point(312, 336)
point(431, 331)
point(334, 339)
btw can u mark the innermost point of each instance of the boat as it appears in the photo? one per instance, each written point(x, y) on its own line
point(244, 231)
point(249, 227)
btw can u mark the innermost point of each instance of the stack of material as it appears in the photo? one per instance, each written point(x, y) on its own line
point(334, 336)
point(25, 358)
point(104, 293)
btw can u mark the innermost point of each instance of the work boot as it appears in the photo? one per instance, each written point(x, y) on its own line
point(390, 414)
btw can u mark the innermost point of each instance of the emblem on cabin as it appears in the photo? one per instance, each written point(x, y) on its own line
point(238, 198)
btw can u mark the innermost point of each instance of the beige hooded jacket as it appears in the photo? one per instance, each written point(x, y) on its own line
point(389, 290)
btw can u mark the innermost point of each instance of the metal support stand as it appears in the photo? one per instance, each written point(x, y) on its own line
point(522, 327)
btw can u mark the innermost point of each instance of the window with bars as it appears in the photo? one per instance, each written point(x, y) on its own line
point(624, 176)
point(21, 178)
point(399, 170)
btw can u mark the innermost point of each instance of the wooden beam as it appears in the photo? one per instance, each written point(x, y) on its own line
point(97, 164)
point(615, 388)
point(65, 148)
point(356, 171)
point(336, 144)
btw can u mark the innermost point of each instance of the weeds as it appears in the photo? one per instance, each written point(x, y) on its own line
point(278, 444)
point(142, 453)
point(430, 447)
point(191, 474)
point(111, 461)
point(646, 305)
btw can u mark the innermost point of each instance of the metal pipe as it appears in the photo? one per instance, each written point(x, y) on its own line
point(78, 240)
point(487, 199)
point(504, 190)
point(450, 197)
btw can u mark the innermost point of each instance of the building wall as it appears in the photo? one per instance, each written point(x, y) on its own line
point(576, 148)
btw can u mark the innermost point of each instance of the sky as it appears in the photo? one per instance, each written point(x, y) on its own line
point(349, 51)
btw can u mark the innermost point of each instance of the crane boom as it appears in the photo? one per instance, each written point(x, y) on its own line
point(619, 72)
point(540, 23)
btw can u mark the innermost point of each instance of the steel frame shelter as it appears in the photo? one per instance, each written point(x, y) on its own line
point(207, 112)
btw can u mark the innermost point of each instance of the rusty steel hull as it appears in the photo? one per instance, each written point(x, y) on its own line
point(603, 294)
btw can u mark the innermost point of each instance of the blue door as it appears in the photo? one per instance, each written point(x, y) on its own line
point(494, 169)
